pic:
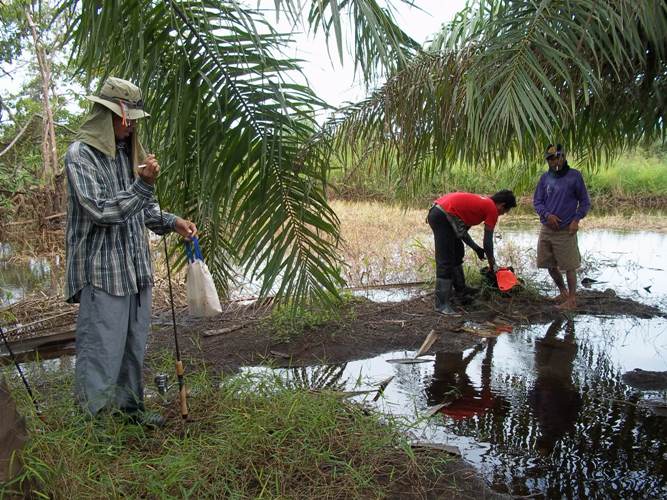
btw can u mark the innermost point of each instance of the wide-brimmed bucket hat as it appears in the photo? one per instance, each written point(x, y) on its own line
point(121, 97)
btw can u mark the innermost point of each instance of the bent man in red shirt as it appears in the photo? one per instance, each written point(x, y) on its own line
point(450, 217)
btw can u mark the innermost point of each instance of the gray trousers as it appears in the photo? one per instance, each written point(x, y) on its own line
point(111, 336)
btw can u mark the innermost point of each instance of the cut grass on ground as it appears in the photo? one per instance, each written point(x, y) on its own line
point(252, 437)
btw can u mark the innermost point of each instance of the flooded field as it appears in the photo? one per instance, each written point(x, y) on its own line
point(633, 263)
point(630, 262)
point(545, 409)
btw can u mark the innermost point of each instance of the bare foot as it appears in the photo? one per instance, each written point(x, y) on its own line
point(561, 297)
point(569, 305)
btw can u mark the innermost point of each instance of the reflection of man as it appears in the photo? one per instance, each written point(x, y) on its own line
point(451, 384)
point(554, 399)
point(561, 201)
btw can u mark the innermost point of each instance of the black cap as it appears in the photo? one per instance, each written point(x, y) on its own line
point(552, 150)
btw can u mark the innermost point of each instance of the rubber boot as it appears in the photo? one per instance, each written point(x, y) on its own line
point(443, 295)
point(460, 283)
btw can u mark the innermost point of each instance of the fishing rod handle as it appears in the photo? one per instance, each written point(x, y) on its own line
point(182, 393)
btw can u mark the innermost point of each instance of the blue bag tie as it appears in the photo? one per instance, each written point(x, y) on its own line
point(192, 250)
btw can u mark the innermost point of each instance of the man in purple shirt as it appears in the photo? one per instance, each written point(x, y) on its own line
point(561, 201)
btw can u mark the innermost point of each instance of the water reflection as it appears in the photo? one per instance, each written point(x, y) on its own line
point(452, 385)
point(389, 294)
point(19, 278)
point(317, 378)
point(541, 411)
point(572, 430)
point(554, 399)
point(631, 263)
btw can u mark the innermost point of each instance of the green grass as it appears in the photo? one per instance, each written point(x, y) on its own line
point(288, 321)
point(634, 176)
point(252, 436)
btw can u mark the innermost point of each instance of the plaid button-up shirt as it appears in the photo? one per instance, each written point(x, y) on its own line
point(108, 211)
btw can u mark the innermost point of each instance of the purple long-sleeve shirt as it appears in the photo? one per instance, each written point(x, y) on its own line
point(566, 197)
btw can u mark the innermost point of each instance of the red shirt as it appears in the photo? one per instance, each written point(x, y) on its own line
point(471, 208)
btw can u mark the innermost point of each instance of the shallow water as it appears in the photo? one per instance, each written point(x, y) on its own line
point(18, 279)
point(390, 294)
point(632, 263)
point(541, 410)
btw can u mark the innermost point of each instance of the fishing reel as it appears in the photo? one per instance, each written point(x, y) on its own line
point(161, 381)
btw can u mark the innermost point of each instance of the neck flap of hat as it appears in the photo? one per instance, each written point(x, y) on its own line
point(97, 132)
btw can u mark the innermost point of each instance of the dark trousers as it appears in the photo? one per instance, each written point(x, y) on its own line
point(449, 249)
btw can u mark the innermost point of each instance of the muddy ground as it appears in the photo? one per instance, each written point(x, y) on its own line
point(243, 335)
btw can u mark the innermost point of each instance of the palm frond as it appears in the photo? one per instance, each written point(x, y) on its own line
point(379, 47)
point(506, 78)
point(229, 129)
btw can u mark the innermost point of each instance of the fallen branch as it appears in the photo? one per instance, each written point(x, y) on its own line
point(39, 321)
point(428, 342)
point(385, 285)
point(14, 141)
point(30, 221)
point(54, 216)
point(453, 450)
point(222, 331)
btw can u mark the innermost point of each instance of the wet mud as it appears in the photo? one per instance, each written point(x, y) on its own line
point(243, 336)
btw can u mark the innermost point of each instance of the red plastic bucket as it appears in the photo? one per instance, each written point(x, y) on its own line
point(506, 279)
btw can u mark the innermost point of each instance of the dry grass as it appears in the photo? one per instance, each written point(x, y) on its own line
point(382, 243)
point(389, 244)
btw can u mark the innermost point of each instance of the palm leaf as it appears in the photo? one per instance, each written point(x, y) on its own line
point(229, 129)
point(506, 78)
point(378, 45)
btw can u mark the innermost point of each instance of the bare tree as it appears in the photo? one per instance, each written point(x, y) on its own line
point(49, 151)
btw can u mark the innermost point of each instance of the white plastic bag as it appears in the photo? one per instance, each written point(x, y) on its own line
point(202, 296)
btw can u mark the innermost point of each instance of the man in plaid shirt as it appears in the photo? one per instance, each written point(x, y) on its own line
point(110, 202)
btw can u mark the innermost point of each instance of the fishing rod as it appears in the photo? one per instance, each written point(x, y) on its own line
point(18, 368)
point(180, 370)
